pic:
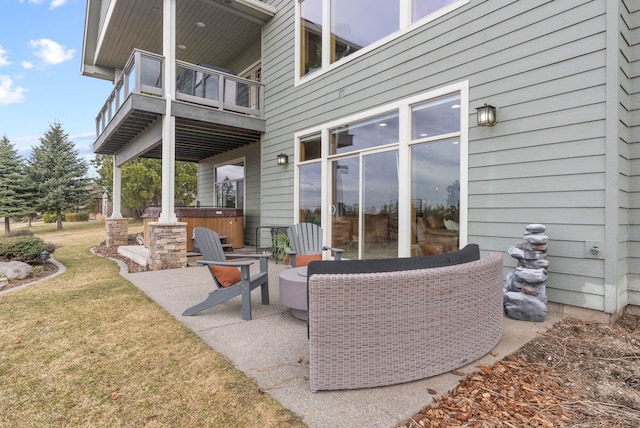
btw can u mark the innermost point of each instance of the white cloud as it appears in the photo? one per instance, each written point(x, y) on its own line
point(57, 3)
point(4, 59)
point(51, 52)
point(8, 93)
point(52, 4)
point(27, 65)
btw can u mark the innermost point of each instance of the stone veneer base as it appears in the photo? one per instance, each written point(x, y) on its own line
point(167, 245)
point(117, 230)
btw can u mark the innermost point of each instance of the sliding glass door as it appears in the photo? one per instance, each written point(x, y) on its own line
point(364, 220)
point(391, 182)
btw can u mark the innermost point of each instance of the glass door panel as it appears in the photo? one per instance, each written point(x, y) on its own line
point(364, 211)
point(310, 197)
point(380, 205)
point(435, 185)
point(345, 206)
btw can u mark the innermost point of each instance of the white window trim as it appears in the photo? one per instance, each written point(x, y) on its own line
point(251, 67)
point(405, 142)
point(406, 26)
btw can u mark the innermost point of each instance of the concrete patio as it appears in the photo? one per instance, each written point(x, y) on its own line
point(273, 350)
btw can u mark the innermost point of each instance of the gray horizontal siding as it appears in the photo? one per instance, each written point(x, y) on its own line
point(205, 183)
point(252, 156)
point(543, 64)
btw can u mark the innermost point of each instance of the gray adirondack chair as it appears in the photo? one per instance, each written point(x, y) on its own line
point(306, 239)
point(209, 244)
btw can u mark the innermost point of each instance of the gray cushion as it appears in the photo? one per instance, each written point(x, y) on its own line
point(469, 253)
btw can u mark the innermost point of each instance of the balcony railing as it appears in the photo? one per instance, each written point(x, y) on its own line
point(194, 84)
point(202, 85)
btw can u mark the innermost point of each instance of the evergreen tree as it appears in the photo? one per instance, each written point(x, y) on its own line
point(59, 175)
point(141, 184)
point(16, 199)
point(186, 183)
point(142, 181)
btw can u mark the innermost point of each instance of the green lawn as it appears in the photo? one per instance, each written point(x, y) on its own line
point(87, 348)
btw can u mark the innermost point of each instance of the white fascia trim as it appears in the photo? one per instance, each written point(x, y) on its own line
point(107, 21)
point(259, 6)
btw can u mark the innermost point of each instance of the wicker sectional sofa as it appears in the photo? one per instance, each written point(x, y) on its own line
point(389, 321)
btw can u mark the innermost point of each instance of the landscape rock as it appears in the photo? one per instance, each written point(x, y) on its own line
point(525, 291)
point(535, 228)
point(536, 239)
point(16, 270)
point(531, 275)
point(521, 306)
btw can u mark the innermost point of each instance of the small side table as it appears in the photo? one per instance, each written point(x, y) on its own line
point(293, 291)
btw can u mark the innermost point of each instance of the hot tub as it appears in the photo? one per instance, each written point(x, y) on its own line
point(226, 222)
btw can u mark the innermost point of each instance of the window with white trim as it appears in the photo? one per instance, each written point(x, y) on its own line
point(330, 30)
point(389, 182)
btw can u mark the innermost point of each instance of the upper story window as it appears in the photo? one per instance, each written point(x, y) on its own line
point(421, 8)
point(330, 30)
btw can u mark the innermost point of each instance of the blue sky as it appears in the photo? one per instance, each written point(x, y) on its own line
point(40, 81)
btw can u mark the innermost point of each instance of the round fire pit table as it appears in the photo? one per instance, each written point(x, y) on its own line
point(293, 291)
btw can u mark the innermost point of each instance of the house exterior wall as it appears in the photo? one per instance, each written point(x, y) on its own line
point(558, 156)
point(251, 155)
point(245, 59)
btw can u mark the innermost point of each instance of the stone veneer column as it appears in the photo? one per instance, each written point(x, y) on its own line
point(167, 245)
point(116, 231)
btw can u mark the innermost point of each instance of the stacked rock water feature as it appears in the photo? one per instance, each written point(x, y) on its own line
point(525, 296)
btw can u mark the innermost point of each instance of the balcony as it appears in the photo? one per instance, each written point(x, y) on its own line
point(215, 111)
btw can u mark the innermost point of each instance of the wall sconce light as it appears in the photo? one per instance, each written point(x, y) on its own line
point(486, 115)
point(282, 159)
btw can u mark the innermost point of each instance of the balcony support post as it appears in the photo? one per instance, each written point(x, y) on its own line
point(167, 215)
point(116, 227)
point(117, 190)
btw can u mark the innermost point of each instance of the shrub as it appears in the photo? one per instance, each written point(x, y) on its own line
point(77, 217)
point(51, 217)
point(24, 248)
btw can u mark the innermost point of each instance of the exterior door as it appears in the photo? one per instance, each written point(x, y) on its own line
point(250, 95)
point(364, 220)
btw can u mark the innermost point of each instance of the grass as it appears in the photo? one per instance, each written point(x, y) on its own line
point(87, 348)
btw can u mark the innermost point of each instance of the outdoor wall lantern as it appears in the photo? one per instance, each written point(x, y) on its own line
point(282, 159)
point(486, 115)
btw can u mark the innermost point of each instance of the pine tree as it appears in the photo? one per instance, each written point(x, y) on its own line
point(142, 181)
point(59, 175)
point(16, 198)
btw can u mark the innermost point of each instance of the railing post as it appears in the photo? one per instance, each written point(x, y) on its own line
point(118, 95)
point(221, 94)
point(125, 81)
point(136, 67)
point(261, 100)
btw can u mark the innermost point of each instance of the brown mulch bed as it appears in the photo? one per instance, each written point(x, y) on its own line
point(112, 252)
point(577, 374)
